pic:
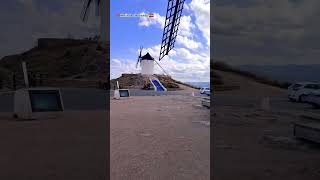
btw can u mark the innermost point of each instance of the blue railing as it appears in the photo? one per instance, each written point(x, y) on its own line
point(158, 85)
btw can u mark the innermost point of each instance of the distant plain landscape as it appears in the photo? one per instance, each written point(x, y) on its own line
point(288, 73)
point(199, 84)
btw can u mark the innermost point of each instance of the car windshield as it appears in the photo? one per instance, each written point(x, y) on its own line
point(312, 86)
point(296, 86)
point(317, 86)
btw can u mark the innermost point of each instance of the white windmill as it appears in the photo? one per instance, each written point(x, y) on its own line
point(170, 32)
point(147, 63)
point(102, 9)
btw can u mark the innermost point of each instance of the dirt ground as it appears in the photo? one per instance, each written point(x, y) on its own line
point(251, 144)
point(159, 137)
point(66, 146)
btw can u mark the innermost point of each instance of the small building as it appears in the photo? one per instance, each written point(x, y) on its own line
point(147, 64)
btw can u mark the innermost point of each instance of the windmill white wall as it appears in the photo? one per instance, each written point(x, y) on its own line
point(147, 67)
point(105, 11)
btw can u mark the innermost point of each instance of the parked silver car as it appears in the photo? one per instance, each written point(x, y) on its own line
point(204, 90)
point(299, 91)
point(313, 99)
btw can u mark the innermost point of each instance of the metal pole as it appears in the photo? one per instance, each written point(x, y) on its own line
point(25, 74)
point(161, 68)
point(14, 83)
point(118, 85)
point(40, 79)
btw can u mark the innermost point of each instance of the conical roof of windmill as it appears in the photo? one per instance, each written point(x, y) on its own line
point(147, 57)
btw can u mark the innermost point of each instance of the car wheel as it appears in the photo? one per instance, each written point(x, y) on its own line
point(317, 106)
point(302, 98)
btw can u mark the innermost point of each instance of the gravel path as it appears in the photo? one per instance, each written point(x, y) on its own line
point(70, 146)
point(160, 137)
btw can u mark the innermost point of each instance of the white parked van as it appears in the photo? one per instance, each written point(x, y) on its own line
point(299, 91)
point(205, 90)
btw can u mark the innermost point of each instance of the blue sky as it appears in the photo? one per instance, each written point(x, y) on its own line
point(244, 32)
point(24, 21)
point(273, 32)
point(188, 61)
point(124, 30)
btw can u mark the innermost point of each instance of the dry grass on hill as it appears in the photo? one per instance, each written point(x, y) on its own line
point(137, 81)
point(62, 58)
point(221, 66)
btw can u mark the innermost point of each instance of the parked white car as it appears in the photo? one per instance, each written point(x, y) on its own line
point(204, 90)
point(299, 91)
point(208, 92)
point(313, 99)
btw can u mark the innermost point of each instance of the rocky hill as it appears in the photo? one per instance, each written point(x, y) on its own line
point(220, 72)
point(61, 59)
point(137, 81)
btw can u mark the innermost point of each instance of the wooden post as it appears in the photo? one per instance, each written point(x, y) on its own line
point(34, 77)
point(40, 79)
point(14, 83)
point(25, 74)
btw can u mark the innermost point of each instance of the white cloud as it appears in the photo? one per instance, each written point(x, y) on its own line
point(185, 32)
point(201, 10)
point(291, 26)
point(189, 43)
point(119, 67)
point(186, 26)
point(181, 64)
point(25, 22)
point(182, 71)
point(190, 61)
point(186, 70)
point(157, 20)
point(29, 22)
point(154, 51)
point(186, 7)
point(185, 54)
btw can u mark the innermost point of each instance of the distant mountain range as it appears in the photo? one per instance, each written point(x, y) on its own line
point(289, 73)
point(199, 84)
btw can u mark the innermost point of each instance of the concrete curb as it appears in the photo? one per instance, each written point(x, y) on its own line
point(311, 116)
point(206, 103)
point(6, 92)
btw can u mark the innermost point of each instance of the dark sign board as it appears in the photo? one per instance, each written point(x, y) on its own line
point(124, 93)
point(45, 100)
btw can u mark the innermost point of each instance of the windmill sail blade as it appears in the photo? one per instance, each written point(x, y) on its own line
point(141, 48)
point(137, 62)
point(85, 10)
point(170, 30)
point(139, 56)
